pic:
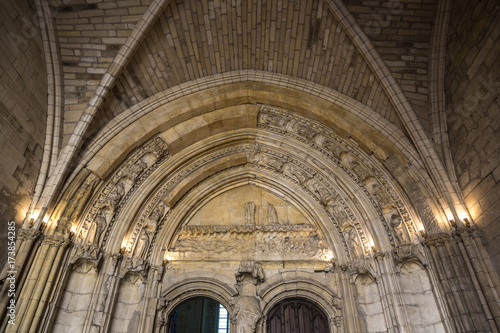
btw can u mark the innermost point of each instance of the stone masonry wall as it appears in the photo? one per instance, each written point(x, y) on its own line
point(23, 109)
point(90, 35)
point(400, 31)
point(473, 100)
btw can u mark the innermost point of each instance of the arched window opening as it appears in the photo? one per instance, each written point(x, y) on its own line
point(199, 315)
point(296, 315)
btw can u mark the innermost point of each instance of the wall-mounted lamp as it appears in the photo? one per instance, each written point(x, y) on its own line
point(453, 223)
point(466, 222)
point(123, 250)
point(422, 233)
point(43, 226)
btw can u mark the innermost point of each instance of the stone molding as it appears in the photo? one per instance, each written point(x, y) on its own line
point(436, 240)
point(109, 199)
point(89, 253)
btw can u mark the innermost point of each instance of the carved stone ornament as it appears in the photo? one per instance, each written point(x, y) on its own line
point(28, 234)
point(352, 241)
point(410, 253)
point(361, 267)
point(251, 267)
point(263, 242)
point(137, 265)
point(248, 313)
point(90, 253)
point(118, 189)
point(345, 153)
point(436, 240)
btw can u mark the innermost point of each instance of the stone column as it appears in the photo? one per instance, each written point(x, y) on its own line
point(38, 287)
point(453, 271)
point(25, 241)
point(152, 295)
point(351, 317)
point(99, 319)
point(390, 293)
point(483, 277)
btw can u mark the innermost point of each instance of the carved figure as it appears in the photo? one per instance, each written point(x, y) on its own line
point(247, 309)
point(272, 215)
point(335, 208)
point(115, 196)
point(97, 229)
point(317, 189)
point(377, 191)
point(249, 212)
point(137, 169)
point(141, 248)
point(156, 215)
point(350, 162)
point(352, 241)
point(397, 227)
point(293, 172)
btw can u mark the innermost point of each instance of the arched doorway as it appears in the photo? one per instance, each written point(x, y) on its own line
point(296, 315)
point(199, 315)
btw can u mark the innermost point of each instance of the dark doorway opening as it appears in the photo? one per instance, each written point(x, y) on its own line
point(199, 315)
point(297, 316)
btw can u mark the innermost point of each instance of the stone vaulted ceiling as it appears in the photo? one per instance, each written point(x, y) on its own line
point(192, 40)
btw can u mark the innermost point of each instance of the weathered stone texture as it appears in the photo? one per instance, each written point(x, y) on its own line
point(23, 109)
point(473, 86)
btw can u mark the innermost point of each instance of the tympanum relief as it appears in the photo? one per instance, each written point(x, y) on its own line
point(266, 228)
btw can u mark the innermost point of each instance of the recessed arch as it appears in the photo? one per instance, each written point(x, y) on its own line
point(301, 285)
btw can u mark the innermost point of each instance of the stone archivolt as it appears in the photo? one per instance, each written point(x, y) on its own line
point(345, 154)
point(118, 189)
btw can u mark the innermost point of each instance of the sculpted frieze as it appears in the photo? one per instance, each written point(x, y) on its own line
point(263, 242)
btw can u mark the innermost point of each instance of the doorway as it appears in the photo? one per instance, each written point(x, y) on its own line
point(199, 315)
point(296, 316)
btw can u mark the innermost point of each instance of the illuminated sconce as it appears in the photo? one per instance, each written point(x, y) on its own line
point(167, 259)
point(466, 222)
point(422, 232)
point(123, 249)
point(33, 217)
point(72, 233)
point(453, 223)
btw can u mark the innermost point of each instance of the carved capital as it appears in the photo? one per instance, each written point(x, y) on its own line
point(28, 234)
point(409, 252)
point(89, 253)
point(436, 240)
point(56, 241)
point(138, 265)
point(252, 268)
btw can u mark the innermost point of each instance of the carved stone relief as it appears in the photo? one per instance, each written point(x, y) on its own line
point(343, 152)
point(118, 189)
point(352, 241)
point(249, 212)
point(263, 242)
point(248, 313)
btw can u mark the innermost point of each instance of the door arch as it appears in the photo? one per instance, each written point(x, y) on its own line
point(297, 315)
point(199, 315)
